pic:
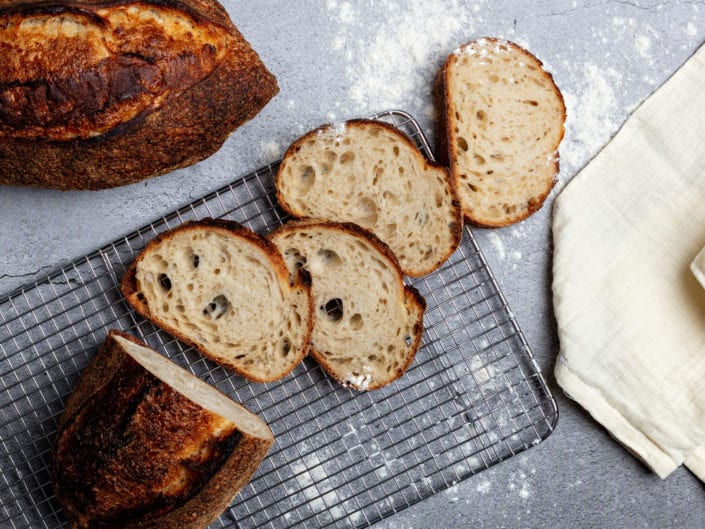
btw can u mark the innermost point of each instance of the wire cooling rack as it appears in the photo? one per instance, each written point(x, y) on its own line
point(472, 397)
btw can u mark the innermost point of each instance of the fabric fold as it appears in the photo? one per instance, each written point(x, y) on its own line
point(630, 313)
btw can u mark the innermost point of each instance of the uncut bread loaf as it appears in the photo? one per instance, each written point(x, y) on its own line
point(368, 324)
point(369, 173)
point(96, 94)
point(225, 290)
point(142, 443)
point(501, 121)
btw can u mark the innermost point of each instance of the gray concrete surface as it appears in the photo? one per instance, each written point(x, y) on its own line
point(337, 60)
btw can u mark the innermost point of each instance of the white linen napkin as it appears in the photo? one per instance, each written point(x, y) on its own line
point(631, 315)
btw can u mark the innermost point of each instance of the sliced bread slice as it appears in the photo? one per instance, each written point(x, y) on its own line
point(369, 173)
point(368, 324)
point(501, 121)
point(143, 443)
point(225, 290)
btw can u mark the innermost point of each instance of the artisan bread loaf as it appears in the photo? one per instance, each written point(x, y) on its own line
point(371, 174)
point(98, 94)
point(225, 290)
point(143, 443)
point(501, 123)
point(367, 324)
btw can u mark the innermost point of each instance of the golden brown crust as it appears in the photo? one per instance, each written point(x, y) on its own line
point(132, 452)
point(162, 109)
point(133, 296)
point(446, 150)
point(411, 294)
point(457, 225)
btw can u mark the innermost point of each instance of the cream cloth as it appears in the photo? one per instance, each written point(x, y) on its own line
point(631, 315)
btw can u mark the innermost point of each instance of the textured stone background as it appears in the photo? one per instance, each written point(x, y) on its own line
point(336, 60)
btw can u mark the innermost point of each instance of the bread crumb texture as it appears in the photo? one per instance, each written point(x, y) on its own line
point(226, 294)
point(367, 324)
point(368, 173)
point(504, 124)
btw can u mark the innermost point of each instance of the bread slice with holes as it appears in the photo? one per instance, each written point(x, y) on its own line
point(502, 120)
point(144, 443)
point(225, 290)
point(369, 173)
point(368, 324)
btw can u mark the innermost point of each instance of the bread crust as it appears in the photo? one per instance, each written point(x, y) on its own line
point(189, 126)
point(411, 294)
point(195, 510)
point(457, 224)
point(131, 293)
point(446, 150)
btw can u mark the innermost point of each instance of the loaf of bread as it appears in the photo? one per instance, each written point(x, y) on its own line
point(501, 121)
point(97, 94)
point(143, 443)
point(225, 290)
point(368, 324)
point(371, 174)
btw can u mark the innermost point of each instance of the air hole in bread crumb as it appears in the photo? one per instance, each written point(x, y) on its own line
point(329, 257)
point(479, 160)
point(165, 307)
point(462, 143)
point(480, 115)
point(164, 281)
point(308, 174)
point(285, 347)
point(395, 150)
point(189, 287)
point(493, 78)
point(216, 271)
point(216, 308)
point(367, 210)
point(356, 322)
point(195, 259)
point(407, 340)
point(531, 102)
point(333, 308)
point(473, 187)
point(331, 156)
point(347, 157)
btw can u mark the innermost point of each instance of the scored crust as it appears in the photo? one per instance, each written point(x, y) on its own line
point(186, 127)
point(370, 173)
point(274, 349)
point(359, 299)
point(128, 490)
point(501, 177)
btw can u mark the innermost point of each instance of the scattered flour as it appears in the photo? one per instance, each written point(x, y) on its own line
point(270, 152)
point(498, 245)
point(643, 45)
point(401, 61)
point(484, 487)
point(591, 110)
point(480, 372)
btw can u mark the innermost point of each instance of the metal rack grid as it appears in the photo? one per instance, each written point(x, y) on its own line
point(472, 397)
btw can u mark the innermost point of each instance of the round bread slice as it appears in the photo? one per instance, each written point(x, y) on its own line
point(369, 173)
point(143, 443)
point(501, 122)
point(368, 324)
point(225, 290)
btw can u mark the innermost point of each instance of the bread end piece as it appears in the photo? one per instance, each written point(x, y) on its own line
point(501, 122)
point(131, 475)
